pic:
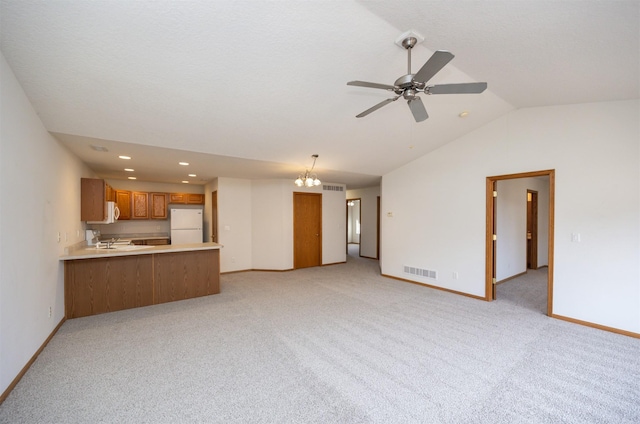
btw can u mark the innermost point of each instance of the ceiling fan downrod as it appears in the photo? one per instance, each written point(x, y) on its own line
point(408, 43)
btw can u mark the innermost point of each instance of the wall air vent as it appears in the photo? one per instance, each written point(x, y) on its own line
point(420, 272)
point(332, 188)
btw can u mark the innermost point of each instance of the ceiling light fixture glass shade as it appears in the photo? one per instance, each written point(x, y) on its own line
point(308, 179)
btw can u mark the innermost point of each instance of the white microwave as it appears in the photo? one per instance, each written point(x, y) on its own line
point(113, 213)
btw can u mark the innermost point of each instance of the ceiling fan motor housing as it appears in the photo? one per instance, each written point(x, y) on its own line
point(404, 81)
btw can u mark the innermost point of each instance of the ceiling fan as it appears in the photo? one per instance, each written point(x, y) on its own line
point(408, 86)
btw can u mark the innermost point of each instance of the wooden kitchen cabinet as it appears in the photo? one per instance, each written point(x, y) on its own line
point(177, 198)
point(151, 242)
point(159, 205)
point(140, 208)
point(96, 286)
point(105, 284)
point(195, 199)
point(187, 198)
point(123, 201)
point(94, 193)
point(184, 275)
point(110, 193)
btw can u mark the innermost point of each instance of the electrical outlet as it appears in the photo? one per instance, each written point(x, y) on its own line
point(58, 236)
point(49, 311)
point(455, 275)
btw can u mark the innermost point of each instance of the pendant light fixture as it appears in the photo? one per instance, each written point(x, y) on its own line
point(308, 178)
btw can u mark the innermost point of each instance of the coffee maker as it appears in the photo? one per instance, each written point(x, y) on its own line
point(92, 237)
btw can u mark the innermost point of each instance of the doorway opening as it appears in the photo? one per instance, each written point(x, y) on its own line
point(493, 235)
point(354, 221)
point(532, 229)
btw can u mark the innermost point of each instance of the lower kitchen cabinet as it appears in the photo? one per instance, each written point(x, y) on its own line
point(97, 285)
point(179, 276)
point(151, 242)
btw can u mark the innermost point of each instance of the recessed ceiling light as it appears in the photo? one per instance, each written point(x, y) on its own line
point(463, 114)
point(129, 169)
point(183, 163)
point(185, 182)
point(99, 148)
point(124, 157)
point(192, 175)
point(132, 178)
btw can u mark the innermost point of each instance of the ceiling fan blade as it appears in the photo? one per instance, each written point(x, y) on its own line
point(417, 108)
point(372, 85)
point(376, 107)
point(436, 62)
point(463, 88)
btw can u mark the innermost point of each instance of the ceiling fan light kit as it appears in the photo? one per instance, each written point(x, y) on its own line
point(408, 86)
point(308, 178)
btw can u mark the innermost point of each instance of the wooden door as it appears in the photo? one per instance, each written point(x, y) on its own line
point(214, 217)
point(532, 229)
point(307, 230)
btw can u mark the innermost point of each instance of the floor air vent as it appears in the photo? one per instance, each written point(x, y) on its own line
point(421, 272)
point(332, 188)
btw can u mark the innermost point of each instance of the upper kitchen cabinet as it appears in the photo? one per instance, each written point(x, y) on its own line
point(140, 205)
point(159, 205)
point(195, 199)
point(187, 198)
point(123, 201)
point(94, 194)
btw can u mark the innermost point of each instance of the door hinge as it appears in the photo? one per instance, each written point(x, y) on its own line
point(495, 237)
point(493, 281)
point(495, 193)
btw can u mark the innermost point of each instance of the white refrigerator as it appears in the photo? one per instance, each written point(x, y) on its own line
point(186, 226)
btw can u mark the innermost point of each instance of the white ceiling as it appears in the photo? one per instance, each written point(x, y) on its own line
point(251, 89)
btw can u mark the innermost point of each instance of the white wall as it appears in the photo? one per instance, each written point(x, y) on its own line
point(272, 218)
point(511, 226)
point(39, 198)
point(369, 225)
point(438, 206)
point(255, 220)
point(334, 220)
point(234, 224)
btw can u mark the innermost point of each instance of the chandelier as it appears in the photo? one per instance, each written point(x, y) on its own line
point(308, 178)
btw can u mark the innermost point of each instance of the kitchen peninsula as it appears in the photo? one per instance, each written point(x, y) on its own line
point(106, 280)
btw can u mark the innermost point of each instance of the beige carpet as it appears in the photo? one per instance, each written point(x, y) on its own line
point(335, 344)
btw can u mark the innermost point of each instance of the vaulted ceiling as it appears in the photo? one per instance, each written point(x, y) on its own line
point(252, 89)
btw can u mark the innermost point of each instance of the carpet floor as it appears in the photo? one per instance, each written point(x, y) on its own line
point(334, 344)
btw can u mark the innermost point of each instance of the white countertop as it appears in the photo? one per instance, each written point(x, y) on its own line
point(87, 252)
